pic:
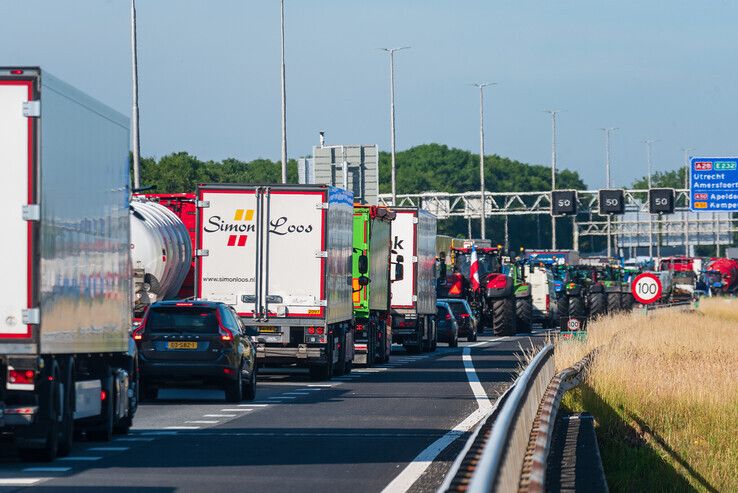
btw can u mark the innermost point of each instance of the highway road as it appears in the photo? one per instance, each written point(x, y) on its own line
point(395, 427)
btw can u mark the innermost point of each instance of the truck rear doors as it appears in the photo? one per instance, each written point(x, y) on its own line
point(17, 155)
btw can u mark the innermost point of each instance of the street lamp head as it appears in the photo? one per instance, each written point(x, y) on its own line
point(392, 50)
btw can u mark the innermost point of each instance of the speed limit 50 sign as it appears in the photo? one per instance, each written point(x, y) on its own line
point(646, 288)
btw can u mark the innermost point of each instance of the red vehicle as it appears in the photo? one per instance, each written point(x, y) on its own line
point(183, 205)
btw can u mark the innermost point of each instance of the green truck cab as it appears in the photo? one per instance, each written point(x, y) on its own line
point(371, 267)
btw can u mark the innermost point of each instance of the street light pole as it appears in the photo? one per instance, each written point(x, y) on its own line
point(686, 213)
point(391, 52)
point(649, 143)
point(284, 102)
point(553, 114)
point(481, 86)
point(608, 184)
point(134, 110)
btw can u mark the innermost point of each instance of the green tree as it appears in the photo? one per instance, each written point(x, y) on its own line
point(662, 179)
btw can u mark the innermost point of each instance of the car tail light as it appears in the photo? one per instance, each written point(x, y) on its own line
point(448, 316)
point(21, 377)
point(464, 315)
point(183, 304)
point(225, 334)
point(497, 282)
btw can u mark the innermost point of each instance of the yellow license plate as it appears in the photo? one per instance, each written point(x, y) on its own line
point(267, 330)
point(181, 345)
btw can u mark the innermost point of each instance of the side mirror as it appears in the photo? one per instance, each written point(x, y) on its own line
point(443, 271)
point(399, 271)
point(363, 264)
point(400, 259)
point(364, 281)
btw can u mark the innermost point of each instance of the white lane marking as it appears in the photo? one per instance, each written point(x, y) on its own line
point(253, 405)
point(181, 427)
point(134, 439)
point(283, 398)
point(84, 458)
point(20, 481)
point(297, 393)
point(312, 389)
point(108, 449)
point(47, 469)
point(202, 422)
point(239, 410)
point(219, 416)
point(157, 433)
point(322, 386)
point(424, 459)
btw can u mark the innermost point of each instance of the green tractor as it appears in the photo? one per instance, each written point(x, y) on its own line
point(514, 268)
point(585, 297)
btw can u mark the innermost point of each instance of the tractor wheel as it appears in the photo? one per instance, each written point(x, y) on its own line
point(562, 307)
point(613, 303)
point(627, 301)
point(576, 308)
point(524, 314)
point(597, 305)
point(503, 317)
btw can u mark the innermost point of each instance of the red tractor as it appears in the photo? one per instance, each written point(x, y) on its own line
point(722, 275)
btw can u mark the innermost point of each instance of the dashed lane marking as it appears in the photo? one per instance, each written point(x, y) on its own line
point(81, 458)
point(21, 481)
point(239, 410)
point(159, 433)
point(181, 427)
point(219, 415)
point(134, 439)
point(108, 449)
point(203, 422)
point(253, 405)
point(47, 469)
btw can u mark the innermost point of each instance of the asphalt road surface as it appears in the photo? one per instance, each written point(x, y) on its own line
point(395, 427)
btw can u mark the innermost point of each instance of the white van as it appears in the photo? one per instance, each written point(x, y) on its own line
point(544, 294)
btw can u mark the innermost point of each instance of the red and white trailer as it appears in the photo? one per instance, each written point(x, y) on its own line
point(67, 362)
point(413, 304)
point(281, 256)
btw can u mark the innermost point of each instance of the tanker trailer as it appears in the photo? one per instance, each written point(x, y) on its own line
point(161, 252)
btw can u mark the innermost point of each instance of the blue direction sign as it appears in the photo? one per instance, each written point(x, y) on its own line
point(713, 184)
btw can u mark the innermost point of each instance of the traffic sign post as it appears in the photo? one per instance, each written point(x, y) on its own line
point(646, 288)
point(713, 184)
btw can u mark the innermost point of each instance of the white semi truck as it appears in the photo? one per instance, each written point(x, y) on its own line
point(67, 363)
point(281, 256)
point(413, 305)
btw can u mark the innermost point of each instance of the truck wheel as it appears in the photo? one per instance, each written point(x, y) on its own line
point(321, 372)
point(50, 449)
point(234, 389)
point(503, 317)
point(66, 435)
point(597, 305)
point(104, 431)
point(613, 302)
point(523, 314)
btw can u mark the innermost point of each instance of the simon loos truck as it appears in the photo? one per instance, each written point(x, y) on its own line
point(281, 256)
point(67, 362)
point(371, 283)
point(413, 305)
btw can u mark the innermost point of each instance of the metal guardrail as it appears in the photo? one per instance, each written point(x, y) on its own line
point(495, 453)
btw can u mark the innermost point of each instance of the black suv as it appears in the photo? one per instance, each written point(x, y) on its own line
point(195, 343)
point(446, 326)
point(464, 317)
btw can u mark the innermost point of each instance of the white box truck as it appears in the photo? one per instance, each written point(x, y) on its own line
point(413, 305)
point(281, 256)
point(67, 363)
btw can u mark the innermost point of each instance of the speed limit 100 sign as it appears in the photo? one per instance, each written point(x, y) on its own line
point(646, 288)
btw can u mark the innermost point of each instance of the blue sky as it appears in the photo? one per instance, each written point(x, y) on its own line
point(209, 73)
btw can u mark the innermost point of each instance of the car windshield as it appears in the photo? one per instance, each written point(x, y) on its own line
point(458, 308)
point(487, 263)
point(180, 319)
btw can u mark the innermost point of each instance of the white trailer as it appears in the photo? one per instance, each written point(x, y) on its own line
point(67, 363)
point(281, 256)
point(413, 304)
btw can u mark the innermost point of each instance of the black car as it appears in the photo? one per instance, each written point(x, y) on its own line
point(195, 343)
point(446, 326)
point(464, 317)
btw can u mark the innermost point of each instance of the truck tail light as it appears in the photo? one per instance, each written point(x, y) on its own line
point(103, 395)
point(20, 379)
point(360, 327)
point(548, 302)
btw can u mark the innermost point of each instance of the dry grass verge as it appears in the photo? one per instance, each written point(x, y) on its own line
point(664, 391)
